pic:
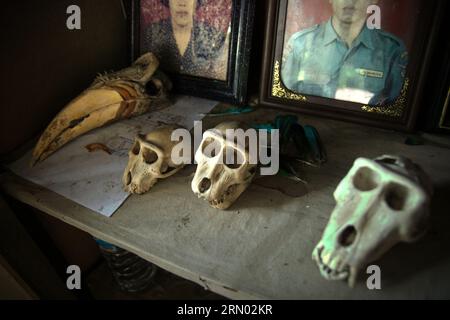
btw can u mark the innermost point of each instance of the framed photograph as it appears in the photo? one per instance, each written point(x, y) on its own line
point(203, 45)
point(357, 60)
point(444, 122)
point(436, 117)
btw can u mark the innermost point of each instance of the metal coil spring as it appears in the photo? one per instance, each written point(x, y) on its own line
point(132, 273)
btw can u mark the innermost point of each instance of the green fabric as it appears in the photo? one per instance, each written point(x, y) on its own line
point(305, 140)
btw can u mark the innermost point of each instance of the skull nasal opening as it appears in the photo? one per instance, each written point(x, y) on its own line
point(204, 186)
point(347, 236)
point(129, 178)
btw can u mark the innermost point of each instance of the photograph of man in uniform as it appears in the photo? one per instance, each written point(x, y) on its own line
point(345, 60)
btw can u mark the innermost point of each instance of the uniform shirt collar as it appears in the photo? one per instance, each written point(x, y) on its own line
point(364, 37)
point(330, 34)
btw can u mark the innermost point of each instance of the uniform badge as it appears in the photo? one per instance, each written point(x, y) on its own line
point(370, 73)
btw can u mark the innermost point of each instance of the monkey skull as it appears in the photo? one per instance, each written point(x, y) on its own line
point(379, 203)
point(150, 159)
point(224, 169)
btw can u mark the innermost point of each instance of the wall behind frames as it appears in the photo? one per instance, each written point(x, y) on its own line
point(44, 65)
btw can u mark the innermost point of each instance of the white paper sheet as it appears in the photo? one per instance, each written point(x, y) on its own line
point(94, 179)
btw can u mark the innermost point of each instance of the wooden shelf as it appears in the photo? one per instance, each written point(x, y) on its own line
point(261, 248)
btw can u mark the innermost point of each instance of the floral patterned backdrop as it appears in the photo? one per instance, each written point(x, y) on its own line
point(216, 13)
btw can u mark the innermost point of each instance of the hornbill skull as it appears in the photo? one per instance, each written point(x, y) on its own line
point(114, 96)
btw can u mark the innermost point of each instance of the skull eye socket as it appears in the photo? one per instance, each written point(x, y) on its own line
point(136, 148)
point(348, 236)
point(233, 158)
point(387, 161)
point(365, 179)
point(149, 156)
point(211, 147)
point(396, 197)
point(151, 88)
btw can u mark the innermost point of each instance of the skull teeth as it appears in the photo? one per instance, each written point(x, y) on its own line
point(331, 269)
point(217, 202)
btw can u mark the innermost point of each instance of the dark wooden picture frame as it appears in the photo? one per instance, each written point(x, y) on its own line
point(401, 115)
point(436, 118)
point(444, 122)
point(234, 89)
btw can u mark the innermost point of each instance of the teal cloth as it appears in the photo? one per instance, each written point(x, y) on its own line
point(306, 140)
